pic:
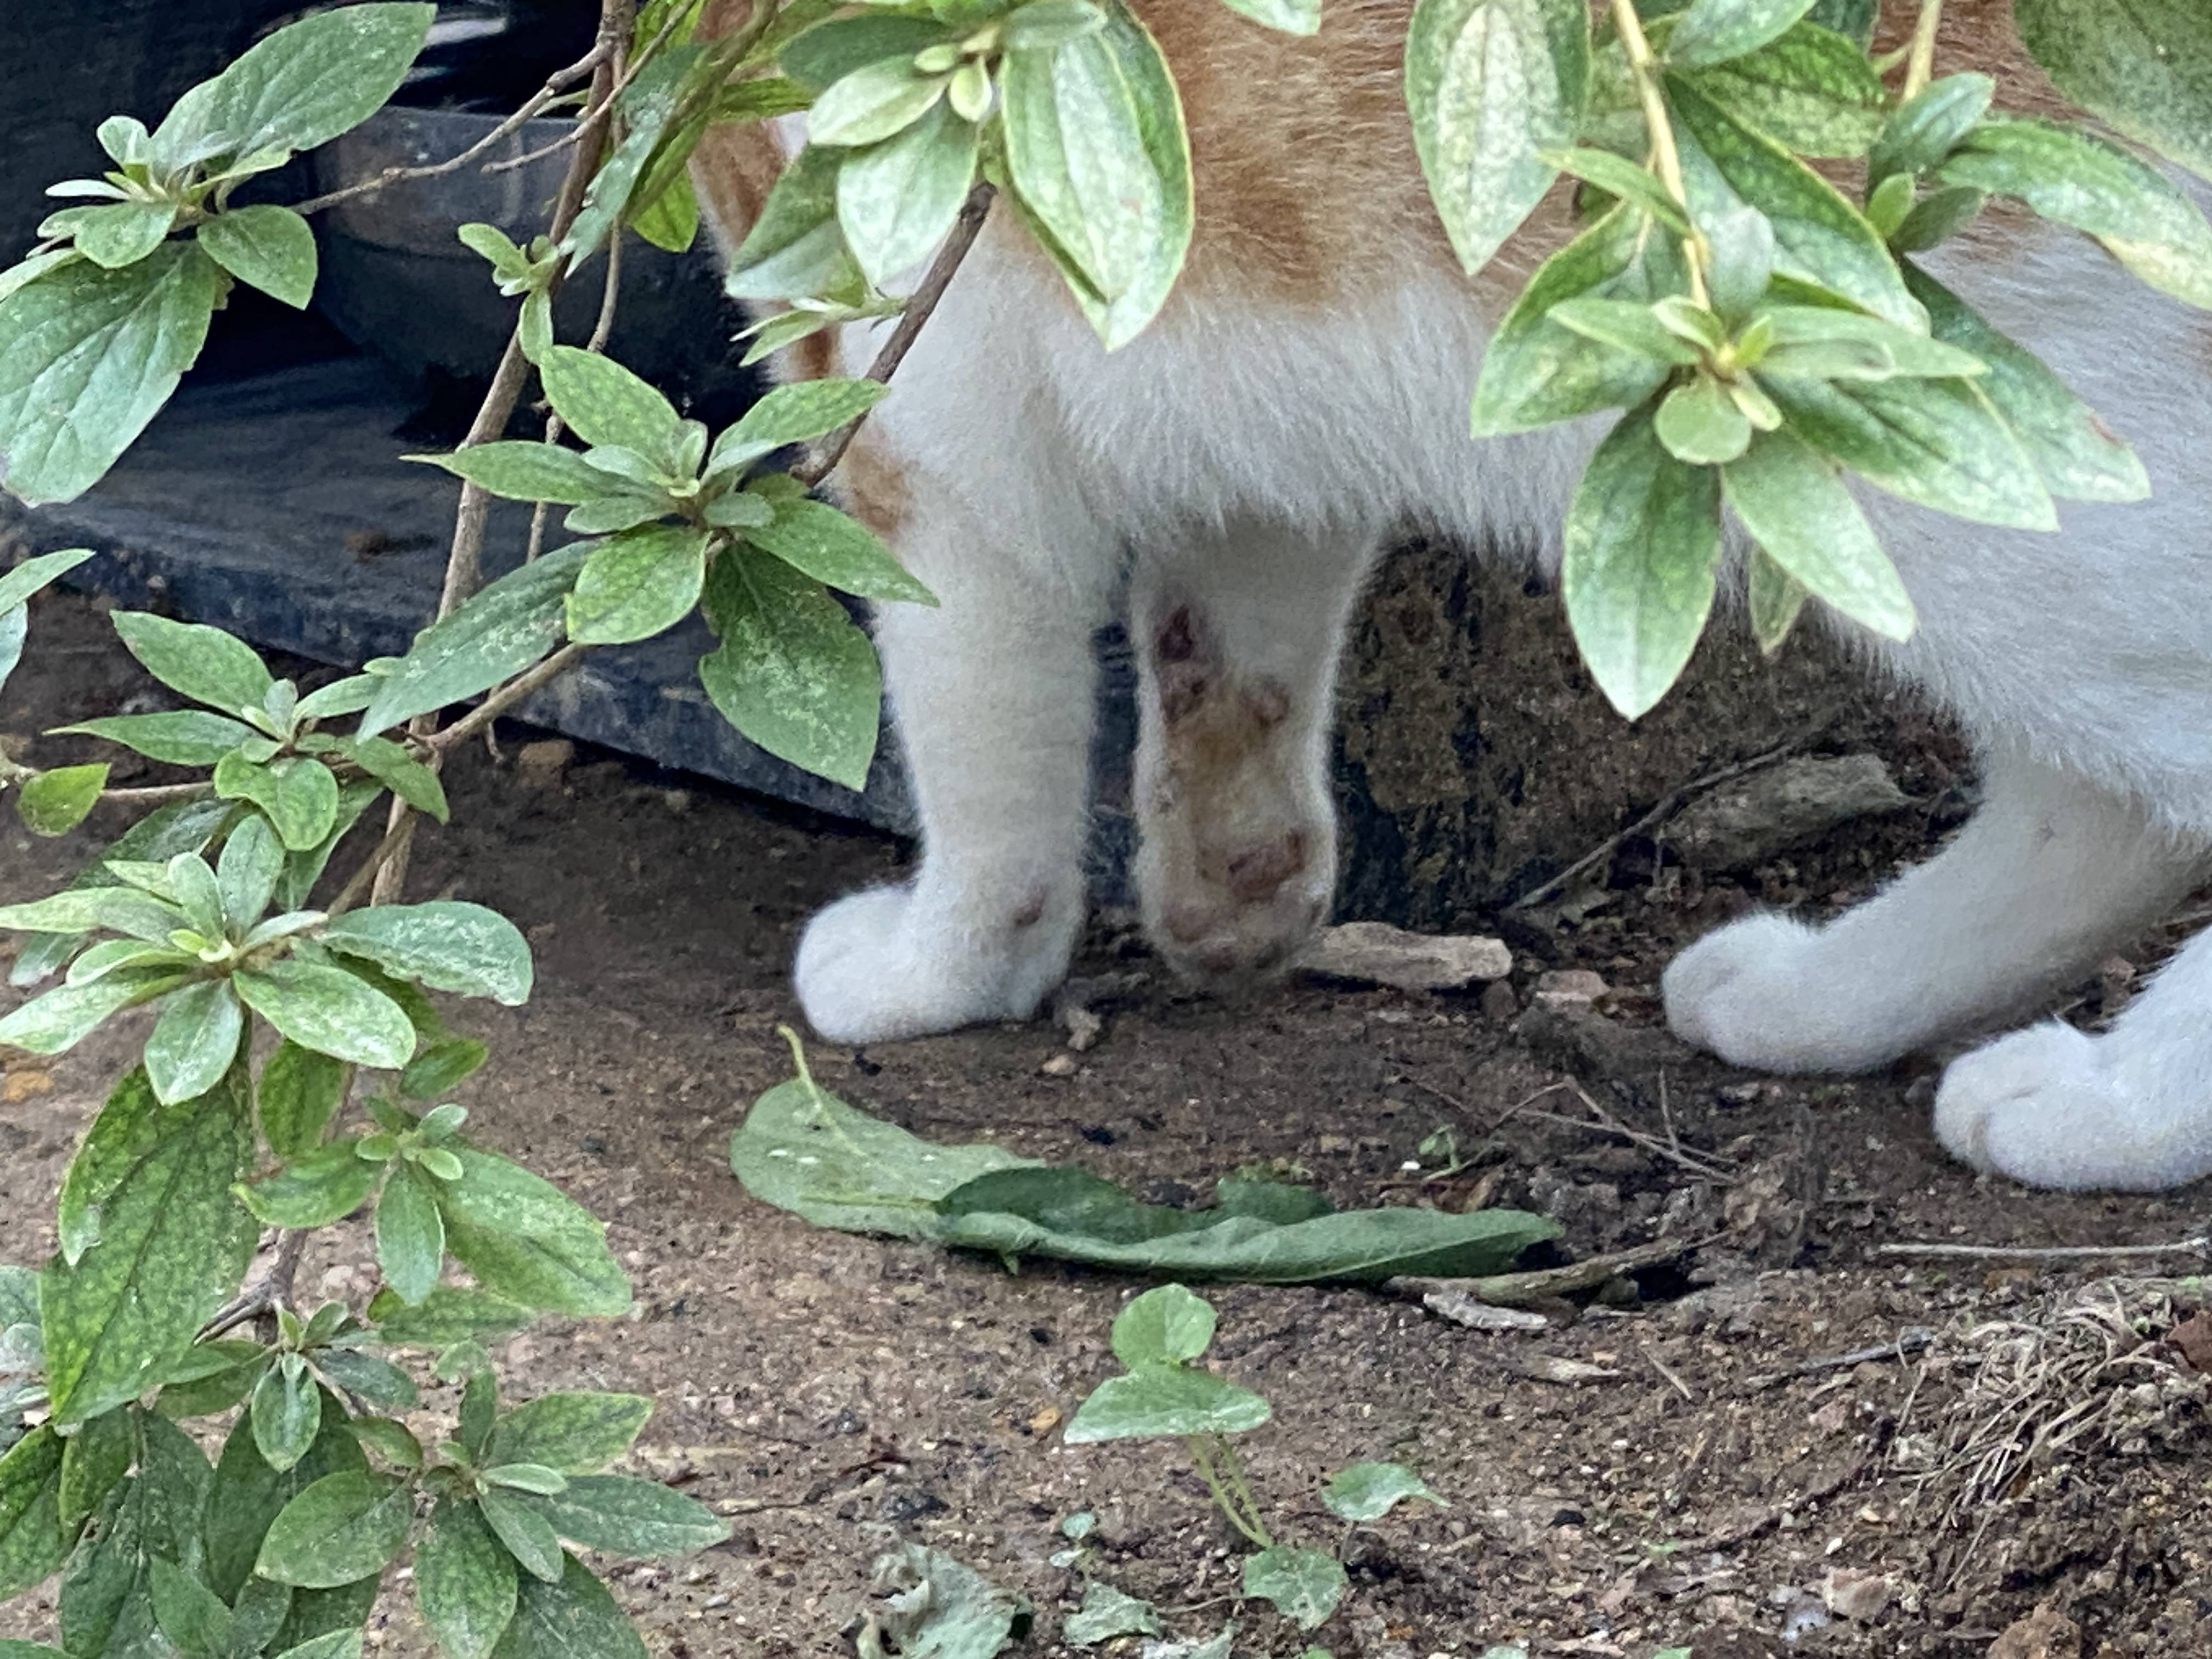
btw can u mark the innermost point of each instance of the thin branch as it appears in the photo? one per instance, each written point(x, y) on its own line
point(1910, 1341)
point(357, 883)
point(159, 794)
point(2200, 1245)
point(556, 84)
point(506, 696)
point(819, 465)
point(1644, 64)
point(1920, 59)
point(1670, 804)
point(272, 1290)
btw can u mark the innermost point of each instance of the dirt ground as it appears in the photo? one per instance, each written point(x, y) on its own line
point(2012, 1439)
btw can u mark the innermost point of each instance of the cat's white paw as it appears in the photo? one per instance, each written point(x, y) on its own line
point(1771, 994)
point(883, 964)
point(2044, 1107)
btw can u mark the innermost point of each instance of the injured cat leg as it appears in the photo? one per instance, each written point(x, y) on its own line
point(2051, 872)
point(991, 693)
point(1237, 634)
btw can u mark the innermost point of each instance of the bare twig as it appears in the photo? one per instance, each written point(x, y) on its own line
point(1670, 804)
point(556, 84)
point(357, 883)
point(272, 1290)
point(2200, 1245)
point(1911, 1339)
point(1548, 1283)
point(160, 794)
point(1668, 1373)
point(507, 696)
point(823, 460)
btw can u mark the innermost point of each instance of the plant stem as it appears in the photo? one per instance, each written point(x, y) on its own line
point(1243, 1515)
point(272, 1290)
point(823, 460)
point(1643, 64)
point(506, 696)
point(1920, 62)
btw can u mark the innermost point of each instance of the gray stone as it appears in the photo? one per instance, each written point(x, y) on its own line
point(1768, 811)
point(1376, 953)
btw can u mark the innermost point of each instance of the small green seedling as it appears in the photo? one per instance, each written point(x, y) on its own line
point(1164, 1393)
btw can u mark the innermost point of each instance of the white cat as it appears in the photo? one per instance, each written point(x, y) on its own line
point(1302, 399)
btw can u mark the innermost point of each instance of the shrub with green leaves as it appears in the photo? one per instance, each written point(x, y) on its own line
point(1762, 342)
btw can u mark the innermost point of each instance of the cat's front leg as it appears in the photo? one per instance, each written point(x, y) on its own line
point(991, 694)
point(1236, 635)
point(2050, 871)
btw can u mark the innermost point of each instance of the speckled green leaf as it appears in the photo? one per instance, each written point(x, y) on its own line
point(793, 673)
point(465, 1581)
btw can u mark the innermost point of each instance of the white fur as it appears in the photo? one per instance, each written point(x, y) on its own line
point(1254, 456)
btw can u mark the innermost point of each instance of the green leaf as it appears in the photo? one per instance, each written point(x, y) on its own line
point(573, 1618)
point(1627, 327)
point(247, 1495)
point(333, 1644)
point(303, 869)
point(638, 584)
point(59, 1020)
point(122, 235)
point(1819, 236)
point(130, 1121)
point(447, 944)
point(1699, 423)
point(649, 105)
point(1536, 370)
point(535, 1478)
point(527, 1535)
point(872, 102)
point(251, 864)
point(1854, 19)
point(300, 87)
point(522, 471)
point(1797, 510)
point(671, 220)
point(1937, 218)
point(496, 633)
point(378, 1382)
point(1368, 1491)
point(299, 793)
point(795, 250)
point(626, 1516)
point(1714, 31)
point(1643, 538)
point(2077, 455)
point(835, 549)
point(792, 414)
point(897, 199)
point(830, 51)
point(1289, 17)
point(1167, 1326)
point(803, 1149)
point(1107, 1612)
point(1820, 343)
point(392, 765)
point(1492, 84)
point(936, 1606)
point(323, 1185)
point(450, 1313)
point(22, 580)
point(1937, 443)
point(604, 403)
point(330, 1011)
point(204, 664)
point(1075, 152)
point(1618, 176)
point(94, 1458)
point(522, 1238)
point(793, 673)
point(267, 247)
point(194, 1042)
point(107, 1601)
point(1303, 1584)
point(300, 1090)
point(1152, 1401)
point(440, 1068)
point(1774, 598)
point(465, 1581)
point(575, 1434)
point(1811, 90)
point(188, 1613)
point(1927, 127)
point(342, 1528)
point(411, 1237)
point(2142, 67)
point(56, 802)
point(172, 1244)
point(87, 357)
point(31, 1541)
point(287, 1413)
point(2069, 175)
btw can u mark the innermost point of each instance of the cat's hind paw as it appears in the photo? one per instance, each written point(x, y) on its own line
point(2043, 1107)
point(883, 964)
